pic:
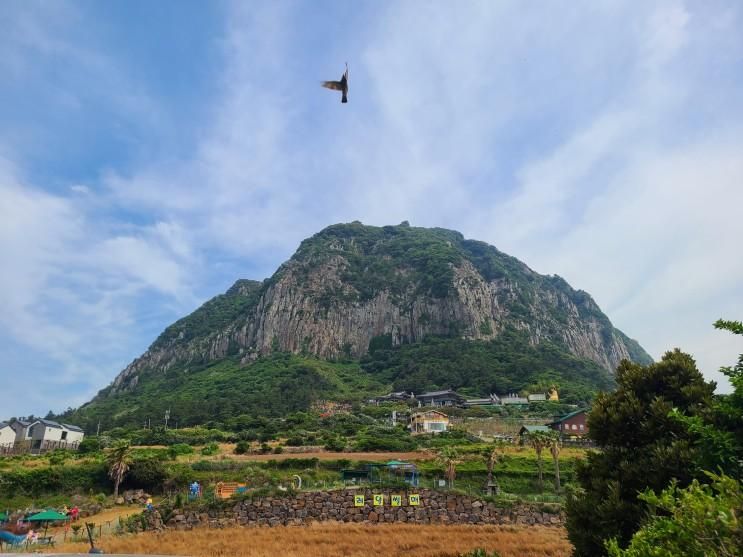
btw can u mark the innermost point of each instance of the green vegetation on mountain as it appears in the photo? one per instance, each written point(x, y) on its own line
point(215, 314)
point(283, 383)
point(507, 364)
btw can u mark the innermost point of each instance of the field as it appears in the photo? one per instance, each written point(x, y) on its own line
point(344, 540)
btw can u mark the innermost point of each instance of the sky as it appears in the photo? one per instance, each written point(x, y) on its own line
point(152, 153)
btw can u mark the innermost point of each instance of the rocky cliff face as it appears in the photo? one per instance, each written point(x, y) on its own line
point(352, 285)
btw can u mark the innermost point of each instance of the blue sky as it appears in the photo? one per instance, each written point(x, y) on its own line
point(151, 153)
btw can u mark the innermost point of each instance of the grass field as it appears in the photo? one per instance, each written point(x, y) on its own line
point(344, 540)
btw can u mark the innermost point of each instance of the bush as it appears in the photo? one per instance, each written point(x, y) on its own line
point(278, 449)
point(242, 447)
point(179, 449)
point(335, 444)
point(210, 449)
point(89, 445)
point(147, 473)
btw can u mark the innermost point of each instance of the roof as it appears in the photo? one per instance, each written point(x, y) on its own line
point(568, 416)
point(534, 428)
point(4, 424)
point(422, 412)
point(440, 393)
point(73, 428)
point(49, 423)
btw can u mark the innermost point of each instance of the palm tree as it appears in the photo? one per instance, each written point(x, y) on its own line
point(118, 459)
point(555, 445)
point(539, 440)
point(449, 458)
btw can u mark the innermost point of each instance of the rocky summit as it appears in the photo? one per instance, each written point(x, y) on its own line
point(353, 289)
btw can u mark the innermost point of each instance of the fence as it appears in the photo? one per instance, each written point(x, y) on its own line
point(36, 447)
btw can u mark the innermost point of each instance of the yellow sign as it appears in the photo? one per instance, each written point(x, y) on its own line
point(396, 500)
point(415, 500)
point(358, 500)
point(378, 500)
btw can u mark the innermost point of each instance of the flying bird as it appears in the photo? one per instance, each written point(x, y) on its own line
point(341, 85)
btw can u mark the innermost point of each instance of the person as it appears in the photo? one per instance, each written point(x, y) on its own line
point(32, 536)
point(66, 510)
point(148, 504)
point(74, 513)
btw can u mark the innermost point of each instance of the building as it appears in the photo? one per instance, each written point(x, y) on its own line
point(526, 430)
point(440, 398)
point(20, 427)
point(430, 421)
point(45, 435)
point(7, 435)
point(537, 397)
point(514, 399)
point(399, 396)
point(492, 400)
point(572, 425)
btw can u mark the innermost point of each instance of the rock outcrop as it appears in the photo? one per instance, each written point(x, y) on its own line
point(352, 285)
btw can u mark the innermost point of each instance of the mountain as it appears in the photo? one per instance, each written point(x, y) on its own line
point(381, 300)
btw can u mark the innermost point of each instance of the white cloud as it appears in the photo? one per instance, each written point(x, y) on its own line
point(591, 140)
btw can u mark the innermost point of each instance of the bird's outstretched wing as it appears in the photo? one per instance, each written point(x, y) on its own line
point(335, 85)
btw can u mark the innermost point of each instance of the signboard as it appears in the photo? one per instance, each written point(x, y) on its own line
point(415, 499)
point(378, 500)
point(358, 500)
point(396, 500)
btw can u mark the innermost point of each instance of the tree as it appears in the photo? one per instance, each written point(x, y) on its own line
point(555, 445)
point(643, 447)
point(697, 521)
point(539, 440)
point(449, 458)
point(118, 459)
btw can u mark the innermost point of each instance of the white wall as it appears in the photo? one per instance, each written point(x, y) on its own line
point(74, 436)
point(7, 436)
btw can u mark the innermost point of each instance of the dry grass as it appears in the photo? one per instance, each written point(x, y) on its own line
point(344, 540)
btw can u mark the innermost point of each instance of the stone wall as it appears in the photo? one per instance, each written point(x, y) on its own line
point(340, 506)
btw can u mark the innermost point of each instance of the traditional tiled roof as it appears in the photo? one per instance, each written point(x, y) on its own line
point(439, 393)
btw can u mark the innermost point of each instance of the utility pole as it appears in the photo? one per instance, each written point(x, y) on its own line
point(98, 430)
point(167, 417)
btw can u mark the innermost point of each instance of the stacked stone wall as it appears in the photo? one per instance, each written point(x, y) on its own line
point(433, 507)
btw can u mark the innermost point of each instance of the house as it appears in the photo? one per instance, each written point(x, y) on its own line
point(537, 397)
point(527, 430)
point(47, 435)
point(514, 399)
point(573, 424)
point(7, 435)
point(492, 400)
point(440, 398)
point(399, 396)
point(430, 421)
point(20, 427)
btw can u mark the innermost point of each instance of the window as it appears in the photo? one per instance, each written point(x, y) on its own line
point(575, 427)
point(581, 427)
point(436, 426)
point(64, 435)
